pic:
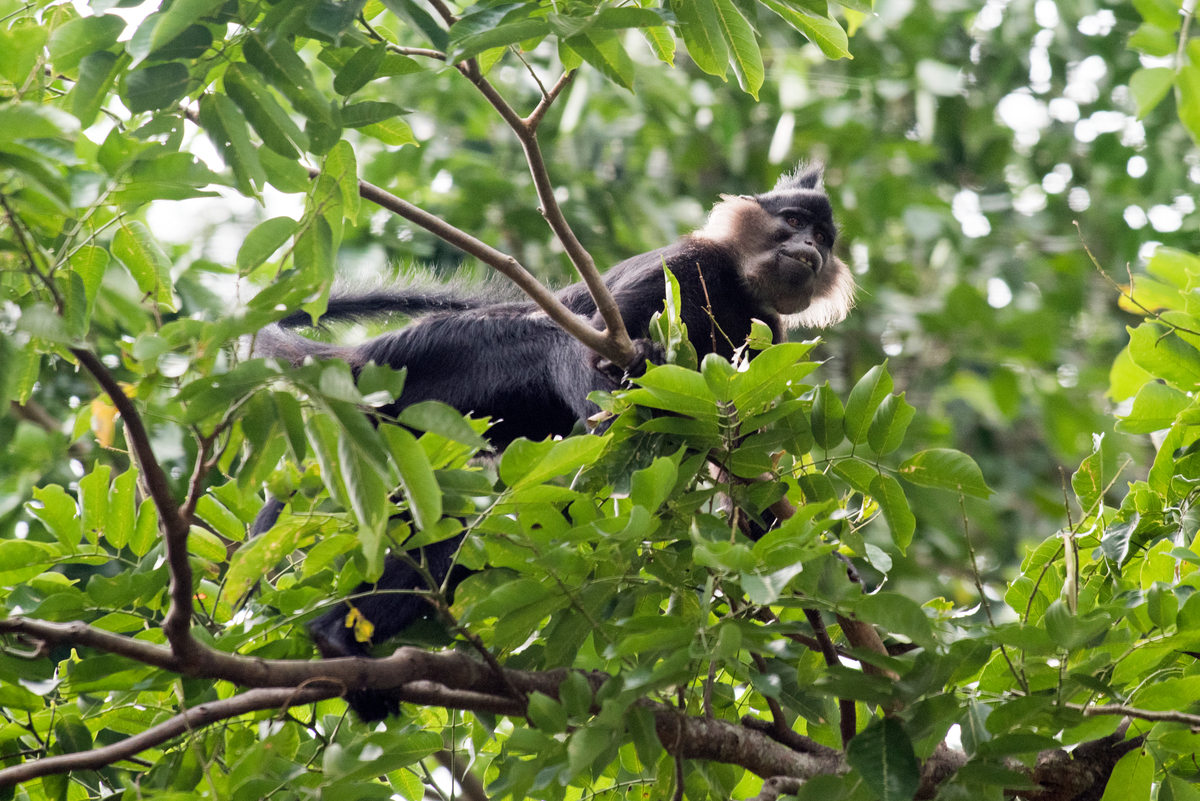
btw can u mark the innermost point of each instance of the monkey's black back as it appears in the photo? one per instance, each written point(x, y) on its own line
point(508, 361)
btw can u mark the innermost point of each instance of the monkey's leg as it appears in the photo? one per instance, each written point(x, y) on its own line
point(390, 605)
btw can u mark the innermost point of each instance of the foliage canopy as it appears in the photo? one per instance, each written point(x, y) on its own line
point(622, 637)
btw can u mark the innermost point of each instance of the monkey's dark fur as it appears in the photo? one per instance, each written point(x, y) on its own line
point(766, 257)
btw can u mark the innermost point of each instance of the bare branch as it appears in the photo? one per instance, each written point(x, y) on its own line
point(194, 718)
point(1143, 714)
point(846, 710)
point(572, 323)
point(535, 117)
point(177, 625)
point(617, 336)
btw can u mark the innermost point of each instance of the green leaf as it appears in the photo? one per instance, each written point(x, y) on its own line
point(1132, 778)
point(889, 424)
point(259, 556)
point(93, 498)
point(156, 87)
point(1163, 13)
point(1152, 40)
point(743, 46)
point(332, 17)
point(340, 165)
point(71, 42)
point(1125, 378)
point(21, 49)
point(650, 488)
point(96, 74)
point(416, 475)
point(135, 247)
point(489, 28)
point(421, 20)
point(1187, 84)
point(369, 112)
point(283, 67)
point(546, 713)
point(1154, 409)
point(279, 132)
point(662, 43)
point(884, 757)
point(1164, 355)
point(870, 391)
point(145, 530)
point(1088, 480)
point(90, 263)
point(178, 17)
point(263, 240)
point(57, 511)
point(526, 463)
point(206, 545)
point(226, 128)
point(394, 132)
point(891, 499)
point(359, 70)
point(945, 468)
point(1173, 788)
point(897, 613)
point(820, 30)
point(826, 418)
point(1149, 87)
point(701, 31)
point(122, 509)
point(603, 50)
point(442, 420)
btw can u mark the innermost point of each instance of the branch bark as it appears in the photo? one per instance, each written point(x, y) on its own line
point(178, 622)
point(194, 718)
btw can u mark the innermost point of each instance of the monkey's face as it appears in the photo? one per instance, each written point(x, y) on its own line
point(793, 266)
point(783, 240)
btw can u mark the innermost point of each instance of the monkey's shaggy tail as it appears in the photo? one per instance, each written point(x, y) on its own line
point(384, 301)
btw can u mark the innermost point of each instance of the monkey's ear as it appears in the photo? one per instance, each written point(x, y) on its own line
point(806, 176)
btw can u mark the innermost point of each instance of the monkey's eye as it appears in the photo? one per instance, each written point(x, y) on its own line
point(820, 237)
point(793, 221)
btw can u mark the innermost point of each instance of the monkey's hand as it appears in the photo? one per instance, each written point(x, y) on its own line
point(644, 350)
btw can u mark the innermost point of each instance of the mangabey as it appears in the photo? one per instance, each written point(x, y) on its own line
point(765, 256)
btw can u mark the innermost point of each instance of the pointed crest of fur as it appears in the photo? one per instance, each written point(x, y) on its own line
point(807, 175)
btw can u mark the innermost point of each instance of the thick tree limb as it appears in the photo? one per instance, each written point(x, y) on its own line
point(194, 718)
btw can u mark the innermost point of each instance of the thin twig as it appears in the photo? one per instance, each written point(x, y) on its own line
point(1189, 9)
point(1143, 714)
point(983, 600)
point(535, 117)
point(1128, 295)
point(849, 716)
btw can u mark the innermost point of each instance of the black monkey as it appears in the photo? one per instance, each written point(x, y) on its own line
point(767, 257)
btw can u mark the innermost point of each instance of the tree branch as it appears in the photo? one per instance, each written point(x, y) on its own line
point(177, 625)
point(512, 269)
point(194, 718)
point(1143, 714)
point(617, 337)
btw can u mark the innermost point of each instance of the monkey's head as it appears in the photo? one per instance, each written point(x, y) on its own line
point(784, 241)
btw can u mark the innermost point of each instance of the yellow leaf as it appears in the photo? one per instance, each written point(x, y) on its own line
point(104, 416)
point(363, 628)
